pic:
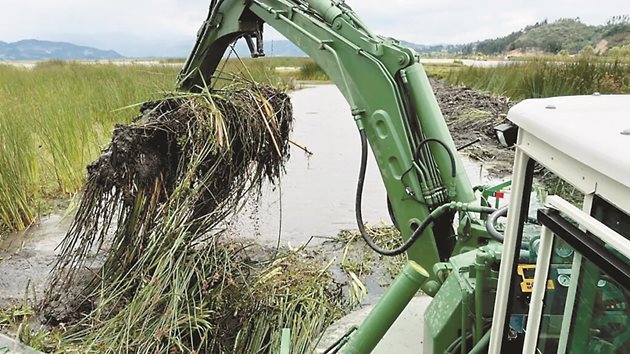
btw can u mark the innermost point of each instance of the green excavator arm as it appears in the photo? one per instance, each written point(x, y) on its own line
point(395, 111)
point(389, 94)
point(393, 105)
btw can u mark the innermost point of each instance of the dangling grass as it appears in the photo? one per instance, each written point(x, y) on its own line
point(545, 79)
point(244, 308)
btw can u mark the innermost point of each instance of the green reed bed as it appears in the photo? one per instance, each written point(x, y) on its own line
point(545, 79)
point(312, 71)
point(56, 117)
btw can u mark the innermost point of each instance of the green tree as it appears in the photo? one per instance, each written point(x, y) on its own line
point(617, 24)
point(563, 53)
point(552, 44)
point(587, 51)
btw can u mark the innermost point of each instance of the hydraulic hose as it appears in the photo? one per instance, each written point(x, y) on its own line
point(435, 214)
point(492, 219)
point(495, 214)
point(435, 175)
point(448, 151)
point(494, 233)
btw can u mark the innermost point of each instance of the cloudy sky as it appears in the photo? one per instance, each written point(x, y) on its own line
point(168, 27)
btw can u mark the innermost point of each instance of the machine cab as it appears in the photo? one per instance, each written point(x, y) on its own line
point(576, 298)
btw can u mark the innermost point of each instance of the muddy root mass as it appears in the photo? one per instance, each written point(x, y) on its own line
point(154, 204)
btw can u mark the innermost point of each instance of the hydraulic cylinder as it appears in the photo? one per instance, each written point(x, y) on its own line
point(378, 322)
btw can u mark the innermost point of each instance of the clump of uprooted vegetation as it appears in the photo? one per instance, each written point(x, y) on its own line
point(154, 207)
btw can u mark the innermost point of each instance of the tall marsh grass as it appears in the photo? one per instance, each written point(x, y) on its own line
point(56, 117)
point(312, 71)
point(545, 79)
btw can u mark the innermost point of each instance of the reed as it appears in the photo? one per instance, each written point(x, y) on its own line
point(545, 79)
point(54, 119)
point(157, 197)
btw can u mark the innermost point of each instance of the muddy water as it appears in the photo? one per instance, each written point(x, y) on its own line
point(318, 190)
point(27, 257)
point(317, 195)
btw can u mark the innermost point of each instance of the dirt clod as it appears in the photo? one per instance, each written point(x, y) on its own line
point(472, 114)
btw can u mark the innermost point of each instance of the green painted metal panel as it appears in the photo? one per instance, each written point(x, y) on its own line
point(442, 318)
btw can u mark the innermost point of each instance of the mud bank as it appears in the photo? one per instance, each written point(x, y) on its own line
point(472, 114)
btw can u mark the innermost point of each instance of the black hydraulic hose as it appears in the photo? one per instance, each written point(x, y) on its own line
point(448, 151)
point(492, 219)
point(495, 214)
point(416, 233)
point(359, 213)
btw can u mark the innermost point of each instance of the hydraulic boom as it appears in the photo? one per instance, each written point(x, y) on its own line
point(389, 95)
point(395, 110)
point(396, 113)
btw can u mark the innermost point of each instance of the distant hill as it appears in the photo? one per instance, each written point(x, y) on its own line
point(569, 35)
point(33, 49)
point(433, 48)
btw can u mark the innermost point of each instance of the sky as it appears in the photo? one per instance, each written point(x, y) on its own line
point(168, 27)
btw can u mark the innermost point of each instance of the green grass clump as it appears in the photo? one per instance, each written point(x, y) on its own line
point(312, 71)
point(442, 71)
point(359, 261)
point(18, 322)
point(545, 79)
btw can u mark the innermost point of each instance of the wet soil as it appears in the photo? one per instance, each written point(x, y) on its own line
point(26, 259)
point(472, 114)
